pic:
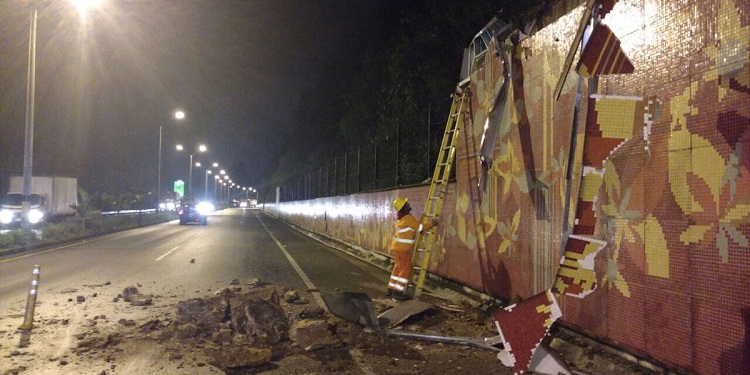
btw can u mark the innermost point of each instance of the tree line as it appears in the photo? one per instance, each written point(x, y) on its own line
point(394, 101)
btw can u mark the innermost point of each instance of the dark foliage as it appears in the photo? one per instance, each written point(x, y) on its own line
point(388, 111)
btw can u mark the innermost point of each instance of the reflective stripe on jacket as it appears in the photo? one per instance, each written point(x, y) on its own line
point(406, 233)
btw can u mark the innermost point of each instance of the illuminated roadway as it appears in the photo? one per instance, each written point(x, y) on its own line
point(186, 261)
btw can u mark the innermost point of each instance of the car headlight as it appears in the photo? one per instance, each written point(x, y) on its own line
point(6, 216)
point(204, 208)
point(35, 216)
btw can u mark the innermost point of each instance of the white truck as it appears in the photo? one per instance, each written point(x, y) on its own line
point(50, 197)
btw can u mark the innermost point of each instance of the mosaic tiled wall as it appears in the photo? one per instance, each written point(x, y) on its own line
point(661, 180)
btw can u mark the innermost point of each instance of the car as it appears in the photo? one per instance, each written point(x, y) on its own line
point(195, 213)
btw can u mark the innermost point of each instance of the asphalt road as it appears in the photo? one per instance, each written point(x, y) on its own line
point(82, 327)
point(236, 244)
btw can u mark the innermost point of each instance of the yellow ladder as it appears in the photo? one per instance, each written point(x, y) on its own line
point(434, 207)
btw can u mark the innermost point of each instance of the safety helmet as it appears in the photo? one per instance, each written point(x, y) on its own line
point(399, 203)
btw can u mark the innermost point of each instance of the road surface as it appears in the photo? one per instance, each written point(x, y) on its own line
point(83, 326)
point(236, 244)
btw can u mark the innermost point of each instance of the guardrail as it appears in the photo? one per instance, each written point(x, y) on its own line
point(130, 212)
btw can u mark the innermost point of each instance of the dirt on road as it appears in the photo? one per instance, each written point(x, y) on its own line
point(246, 328)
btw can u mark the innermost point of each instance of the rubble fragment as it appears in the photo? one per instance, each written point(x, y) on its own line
point(258, 313)
point(96, 342)
point(140, 300)
point(291, 296)
point(237, 356)
point(126, 322)
point(313, 334)
point(136, 298)
point(127, 292)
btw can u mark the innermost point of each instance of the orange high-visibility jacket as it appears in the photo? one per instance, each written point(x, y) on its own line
point(406, 232)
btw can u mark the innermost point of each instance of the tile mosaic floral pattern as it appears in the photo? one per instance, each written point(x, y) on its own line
point(661, 167)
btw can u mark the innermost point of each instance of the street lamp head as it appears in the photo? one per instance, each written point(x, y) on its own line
point(179, 114)
point(83, 6)
point(216, 177)
point(198, 164)
point(208, 171)
point(215, 165)
point(202, 148)
point(179, 147)
point(223, 172)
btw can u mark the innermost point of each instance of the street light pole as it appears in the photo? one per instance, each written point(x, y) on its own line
point(179, 115)
point(28, 150)
point(201, 148)
point(205, 188)
point(158, 178)
point(190, 177)
point(216, 182)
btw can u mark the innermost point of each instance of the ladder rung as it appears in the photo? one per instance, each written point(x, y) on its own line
point(422, 250)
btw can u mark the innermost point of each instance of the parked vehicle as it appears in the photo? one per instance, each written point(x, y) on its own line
point(50, 197)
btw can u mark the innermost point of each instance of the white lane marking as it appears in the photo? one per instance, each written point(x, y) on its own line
point(167, 253)
point(356, 354)
point(310, 285)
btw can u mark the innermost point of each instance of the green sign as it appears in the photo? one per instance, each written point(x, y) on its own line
point(179, 188)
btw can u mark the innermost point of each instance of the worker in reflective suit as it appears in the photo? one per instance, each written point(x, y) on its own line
point(407, 228)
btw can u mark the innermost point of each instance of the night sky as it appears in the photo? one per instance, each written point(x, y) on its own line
point(105, 83)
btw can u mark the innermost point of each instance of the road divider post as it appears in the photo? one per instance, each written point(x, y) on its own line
point(28, 318)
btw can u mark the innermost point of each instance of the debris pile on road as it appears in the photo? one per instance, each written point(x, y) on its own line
point(246, 328)
point(239, 328)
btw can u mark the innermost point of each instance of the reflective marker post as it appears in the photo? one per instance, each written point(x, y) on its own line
point(28, 319)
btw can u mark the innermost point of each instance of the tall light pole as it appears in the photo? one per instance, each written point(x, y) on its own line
point(178, 115)
point(216, 182)
point(226, 178)
point(28, 149)
point(28, 146)
point(200, 148)
point(205, 189)
point(190, 176)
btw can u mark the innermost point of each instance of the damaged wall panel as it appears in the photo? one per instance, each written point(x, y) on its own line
point(665, 199)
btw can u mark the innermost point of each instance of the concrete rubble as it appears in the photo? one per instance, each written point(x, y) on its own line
point(255, 327)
